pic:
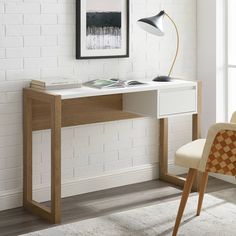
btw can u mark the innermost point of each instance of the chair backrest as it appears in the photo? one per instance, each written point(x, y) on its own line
point(219, 154)
point(222, 156)
point(233, 118)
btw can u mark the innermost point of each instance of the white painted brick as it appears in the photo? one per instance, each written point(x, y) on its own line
point(88, 171)
point(11, 151)
point(80, 162)
point(80, 140)
point(15, 30)
point(67, 149)
point(121, 144)
point(10, 162)
point(120, 126)
point(36, 180)
point(13, 86)
point(144, 141)
point(8, 19)
point(129, 153)
point(52, 8)
point(57, 29)
point(153, 150)
point(65, 61)
point(15, 118)
point(2, 76)
point(40, 62)
point(80, 151)
point(26, 74)
point(2, 53)
point(66, 40)
point(11, 140)
point(103, 138)
point(143, 160)
point(58, 51)
point(13, 184)
point(44, 19)
point(32, 41)
point(3, 185)
point(23, 8)
point(67, 134)
point(37, 148)
point(11, 64)
point(66, 72)
point(88, 130)
point(2, 30)
point(6, 42)
point(1, 8)
point(40, 1)
point(10, 108)
point(138, 132)
point(11, 129)
point(67, 174)
point(99, 158)
point(118, 165)
point(66, 19)
point(23, 52)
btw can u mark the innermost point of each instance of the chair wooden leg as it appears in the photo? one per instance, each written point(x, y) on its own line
point(202, 190)
point(187, 188)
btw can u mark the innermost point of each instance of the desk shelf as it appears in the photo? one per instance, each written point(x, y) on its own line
point(86, 110)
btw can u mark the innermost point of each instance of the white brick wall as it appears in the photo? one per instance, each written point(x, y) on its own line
point(37, 39)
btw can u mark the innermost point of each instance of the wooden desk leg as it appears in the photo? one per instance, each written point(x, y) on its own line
point(56, 161)
point(54, 214)
point(196, 133)
point(163, 165)
point(27, 150)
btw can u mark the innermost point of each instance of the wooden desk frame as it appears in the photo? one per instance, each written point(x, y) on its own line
point(45, 110)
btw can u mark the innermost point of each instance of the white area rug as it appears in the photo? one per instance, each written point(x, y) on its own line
point(218, 218)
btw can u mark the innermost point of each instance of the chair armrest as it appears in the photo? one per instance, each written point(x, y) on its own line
point(212, 133)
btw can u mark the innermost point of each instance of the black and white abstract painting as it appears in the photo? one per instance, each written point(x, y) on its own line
point(102, 28)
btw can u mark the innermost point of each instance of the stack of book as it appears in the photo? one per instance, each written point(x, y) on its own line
point(54, 83)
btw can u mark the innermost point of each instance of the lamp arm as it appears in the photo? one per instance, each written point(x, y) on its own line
point(177, 45)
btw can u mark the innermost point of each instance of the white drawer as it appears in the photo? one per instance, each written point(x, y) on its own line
point(177, 101)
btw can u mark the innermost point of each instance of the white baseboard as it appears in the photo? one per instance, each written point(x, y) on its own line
point(112, 180)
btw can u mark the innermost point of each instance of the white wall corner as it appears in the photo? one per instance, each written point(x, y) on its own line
point(211, 53)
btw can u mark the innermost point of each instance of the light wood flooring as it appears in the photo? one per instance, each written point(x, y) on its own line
point(18, 221)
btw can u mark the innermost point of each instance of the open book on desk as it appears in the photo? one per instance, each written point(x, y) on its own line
point(112, 83)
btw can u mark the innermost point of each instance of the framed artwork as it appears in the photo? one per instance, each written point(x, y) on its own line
point(102, 29)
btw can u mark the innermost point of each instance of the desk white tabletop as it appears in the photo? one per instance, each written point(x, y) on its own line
point(149, 86)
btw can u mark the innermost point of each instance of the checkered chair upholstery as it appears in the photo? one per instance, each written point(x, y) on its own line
point(216, 153)
point(222, 157)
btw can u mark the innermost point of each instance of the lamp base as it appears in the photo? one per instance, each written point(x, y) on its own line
point(162, 78)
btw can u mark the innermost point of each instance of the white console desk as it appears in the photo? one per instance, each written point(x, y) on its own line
point(62, 108)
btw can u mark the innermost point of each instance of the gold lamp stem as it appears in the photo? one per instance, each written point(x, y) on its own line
point(177, 46)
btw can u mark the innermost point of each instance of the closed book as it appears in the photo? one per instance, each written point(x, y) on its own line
point(55, 83)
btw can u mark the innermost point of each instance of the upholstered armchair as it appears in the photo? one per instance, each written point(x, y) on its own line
point(216, 153)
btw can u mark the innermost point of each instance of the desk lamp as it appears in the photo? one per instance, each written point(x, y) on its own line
point(154, 25)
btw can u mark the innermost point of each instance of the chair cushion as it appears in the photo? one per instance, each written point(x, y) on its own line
point(189, 155)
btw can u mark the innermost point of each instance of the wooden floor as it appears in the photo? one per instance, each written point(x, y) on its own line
point(18, 221)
